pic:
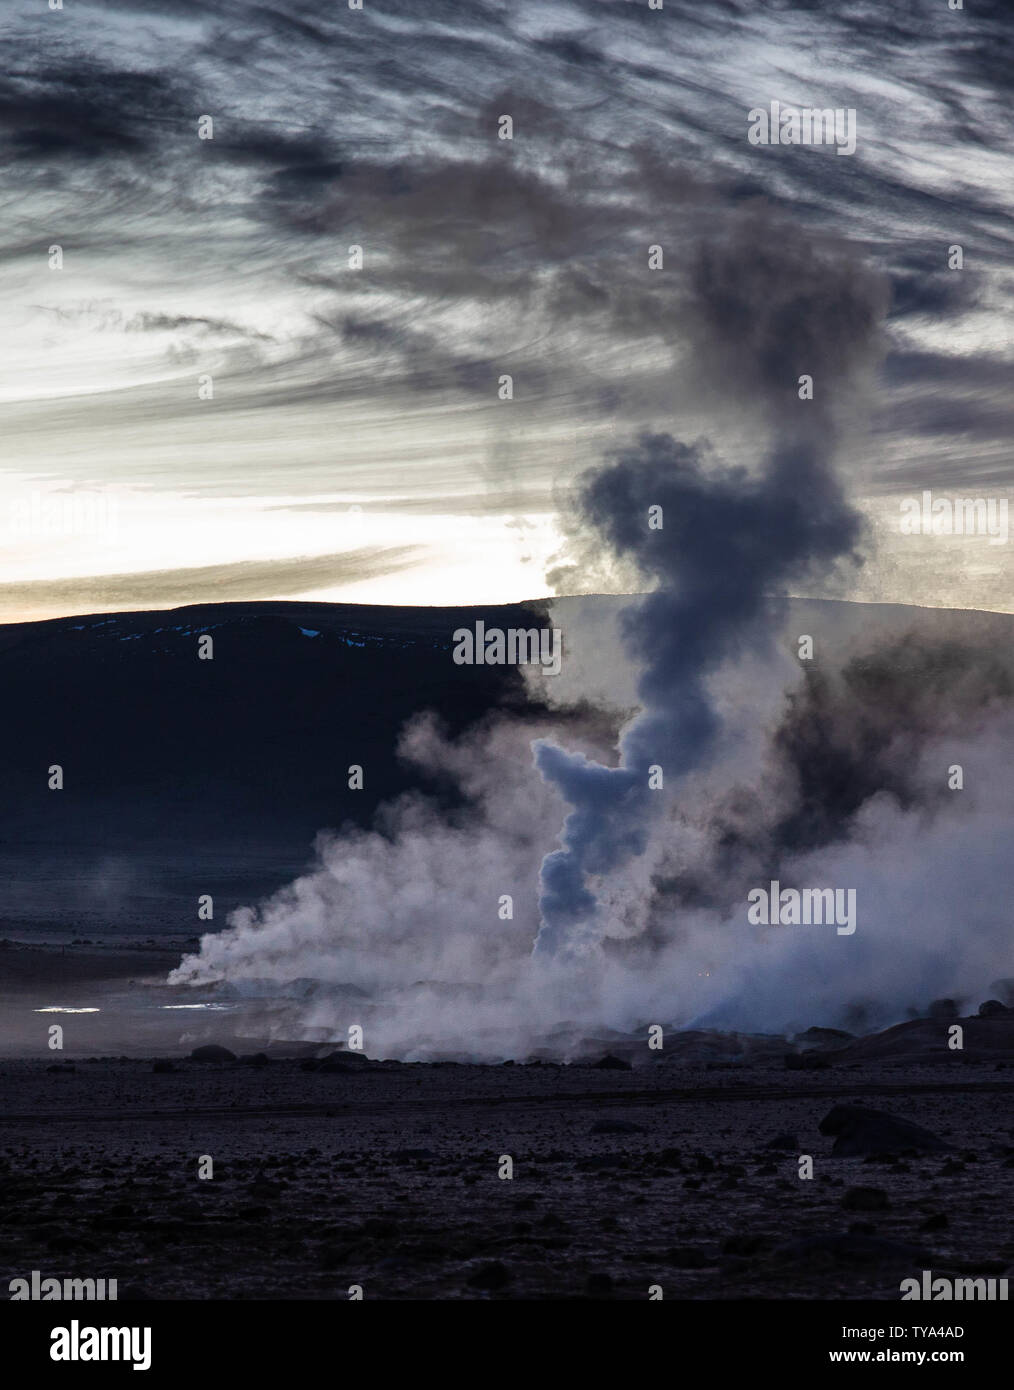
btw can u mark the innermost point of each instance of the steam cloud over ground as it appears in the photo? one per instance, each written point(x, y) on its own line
point(824, 774)
point(407, 913)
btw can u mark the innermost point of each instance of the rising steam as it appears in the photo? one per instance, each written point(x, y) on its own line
point(765, 320)
point(636, 908)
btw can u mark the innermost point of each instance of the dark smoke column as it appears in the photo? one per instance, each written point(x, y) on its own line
point(730, 537)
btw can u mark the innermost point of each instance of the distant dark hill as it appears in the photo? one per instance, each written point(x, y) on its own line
point(925, 1040)
point(185, 777)
point(180, 769)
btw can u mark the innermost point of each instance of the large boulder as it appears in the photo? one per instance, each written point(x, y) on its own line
point(942, 1010)
point(823, 1037)
point(344, 1061)
point(862, 1131)
point(807, 1061)
point(211, 1052)
point(987, 1037)
point(611, 1063)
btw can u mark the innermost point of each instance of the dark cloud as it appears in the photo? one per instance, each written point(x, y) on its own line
point(972, 417)
point(161, 323)
point(926, 289)
point(571, 50)
point(967, 370)
point(292, 163)
point(87, 111)
point(772, 305)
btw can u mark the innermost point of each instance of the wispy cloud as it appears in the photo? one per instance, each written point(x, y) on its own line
point(250, 579)
point(482, 257)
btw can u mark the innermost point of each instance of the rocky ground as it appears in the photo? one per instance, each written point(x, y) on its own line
point(678, 1174)
point(631, 1168)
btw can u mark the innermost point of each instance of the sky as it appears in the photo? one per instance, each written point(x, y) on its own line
point(206, 397)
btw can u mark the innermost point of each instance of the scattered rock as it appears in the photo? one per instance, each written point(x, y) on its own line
point(862, 1131)
point(261, 1189)
point(255, 1213)
point(492, 1276)
point(616, 1127)
point(807, 1061)
point(756, 1244)
point(865, 1199)
point(937, 1222)
point(980, 1266)
point(163, 1065)
point(687, 1257)
point(853, 1248)
point(379, 1228)
point(552, 1222)
point(334, 1256)
point(785, 1143)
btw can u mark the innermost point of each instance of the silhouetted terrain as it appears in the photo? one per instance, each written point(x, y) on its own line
point(184, 776)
